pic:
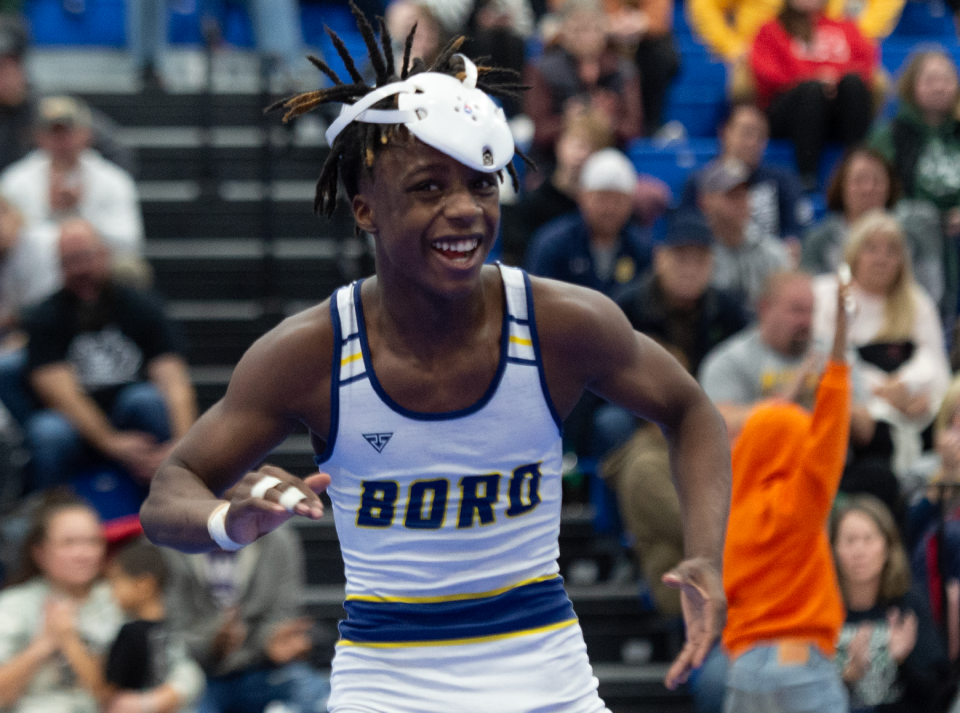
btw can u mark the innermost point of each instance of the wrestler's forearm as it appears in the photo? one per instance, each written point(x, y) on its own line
point(700, 462)
point(176, 511)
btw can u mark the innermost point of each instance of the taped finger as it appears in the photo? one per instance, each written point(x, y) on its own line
point(263, 485)
point(291, 497)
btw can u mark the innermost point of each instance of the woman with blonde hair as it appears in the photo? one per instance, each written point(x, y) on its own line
point(895, 329)
point(889, 653)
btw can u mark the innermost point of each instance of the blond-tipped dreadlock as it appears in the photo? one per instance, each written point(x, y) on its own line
point(357, 146)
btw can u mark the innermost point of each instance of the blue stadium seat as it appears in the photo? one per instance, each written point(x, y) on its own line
point(338, 18)
point(926, 20)
point(699, 107)
point(673, 163)
point(184, 28)
point(698, 67)
point(780, 153)
point(896, 49)
point(681, 28)
point(100, 23)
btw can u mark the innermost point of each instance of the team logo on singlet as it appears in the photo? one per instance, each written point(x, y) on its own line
point(378, 440)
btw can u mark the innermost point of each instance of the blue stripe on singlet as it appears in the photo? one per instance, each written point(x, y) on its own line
point(537, 606)
point(531, 315)
point(334, 382)
point(524, 362)
point(357, 377)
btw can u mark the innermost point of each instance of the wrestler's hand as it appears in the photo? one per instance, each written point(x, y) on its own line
point(250, 517)
point(704, 613)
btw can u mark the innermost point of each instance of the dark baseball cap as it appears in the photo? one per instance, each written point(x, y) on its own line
point(687, 226)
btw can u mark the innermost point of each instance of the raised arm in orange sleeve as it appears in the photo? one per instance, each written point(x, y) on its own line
point(826, 453)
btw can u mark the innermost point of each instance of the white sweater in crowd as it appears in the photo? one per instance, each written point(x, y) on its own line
point(108, 198)
point(927, 371)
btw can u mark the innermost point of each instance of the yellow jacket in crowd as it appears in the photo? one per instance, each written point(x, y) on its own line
point(728, 27)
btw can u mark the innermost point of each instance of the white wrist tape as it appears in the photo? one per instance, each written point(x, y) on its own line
point(263, 485)
point(217, 527)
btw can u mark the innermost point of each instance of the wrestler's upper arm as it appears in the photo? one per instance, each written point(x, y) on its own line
point(587, 339)
point(282, 379)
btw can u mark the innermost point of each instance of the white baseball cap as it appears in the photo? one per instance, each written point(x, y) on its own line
point(608, 170)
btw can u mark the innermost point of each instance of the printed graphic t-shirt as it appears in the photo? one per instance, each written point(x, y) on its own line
point(108, 343)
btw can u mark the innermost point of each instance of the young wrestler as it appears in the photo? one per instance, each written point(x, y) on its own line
point(435, 393)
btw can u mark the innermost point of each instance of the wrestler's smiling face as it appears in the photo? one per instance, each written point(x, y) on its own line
point(434, 219)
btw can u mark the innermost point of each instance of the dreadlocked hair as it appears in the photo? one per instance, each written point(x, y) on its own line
point(355, 149)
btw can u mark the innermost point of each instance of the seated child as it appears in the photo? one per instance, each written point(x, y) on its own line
point(147, 669)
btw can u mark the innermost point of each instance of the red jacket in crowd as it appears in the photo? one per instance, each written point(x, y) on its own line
point(780, 62)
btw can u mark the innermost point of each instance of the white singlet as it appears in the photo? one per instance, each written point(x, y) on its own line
point(448, 523)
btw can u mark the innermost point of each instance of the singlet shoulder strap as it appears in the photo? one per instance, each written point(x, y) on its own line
point(524, 346)
point(521, 349)
point(351, 355)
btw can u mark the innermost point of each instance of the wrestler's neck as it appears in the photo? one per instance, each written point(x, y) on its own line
point(407, 314)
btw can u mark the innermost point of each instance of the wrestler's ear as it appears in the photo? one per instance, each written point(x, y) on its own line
point(363, 214)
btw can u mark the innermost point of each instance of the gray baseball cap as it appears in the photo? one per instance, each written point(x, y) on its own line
point(722, 175)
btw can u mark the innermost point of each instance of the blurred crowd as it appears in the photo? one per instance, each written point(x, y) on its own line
point(738, 277)
point(846, 463)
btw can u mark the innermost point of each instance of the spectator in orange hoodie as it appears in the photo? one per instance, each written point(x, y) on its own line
point(785, 606)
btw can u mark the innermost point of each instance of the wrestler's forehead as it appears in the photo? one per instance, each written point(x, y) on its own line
point(407, 157)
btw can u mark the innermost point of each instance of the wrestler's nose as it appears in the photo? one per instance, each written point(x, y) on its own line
point(462, 206)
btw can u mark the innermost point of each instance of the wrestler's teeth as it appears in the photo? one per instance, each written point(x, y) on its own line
point(456, 246)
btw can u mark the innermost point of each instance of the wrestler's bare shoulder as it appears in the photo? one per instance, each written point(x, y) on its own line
point(292, 358)
point(570, 315)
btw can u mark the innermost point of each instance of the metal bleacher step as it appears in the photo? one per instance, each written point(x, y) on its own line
point(304, 269)
point(182, 215)
point(102, 70)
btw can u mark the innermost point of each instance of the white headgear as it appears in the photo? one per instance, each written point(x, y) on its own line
point(453, 117)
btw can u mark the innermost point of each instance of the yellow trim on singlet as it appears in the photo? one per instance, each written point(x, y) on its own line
point(457, 642)
point(522, 342)
point(447, 597)
point(354, 357)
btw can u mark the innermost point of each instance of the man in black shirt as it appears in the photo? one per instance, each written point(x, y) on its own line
point(675, 304)
point(104, 360)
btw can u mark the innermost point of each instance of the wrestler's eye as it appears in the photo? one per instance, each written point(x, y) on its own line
point(487, 181)
point(425, 187)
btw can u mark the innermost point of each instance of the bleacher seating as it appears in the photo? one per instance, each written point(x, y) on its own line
point(698, 96)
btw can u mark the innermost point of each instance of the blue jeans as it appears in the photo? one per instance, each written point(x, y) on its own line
point(13, 390)
point(708, 684)
point(298, 685)
point(760, 683)
point(59, 451)
point(612, 427)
